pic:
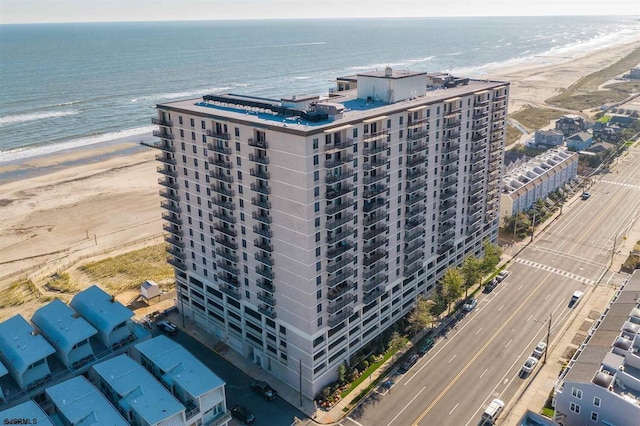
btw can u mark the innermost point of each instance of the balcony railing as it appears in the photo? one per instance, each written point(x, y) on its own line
point(372, 233)
point(368, 180)
point(267, 233)
point(374, 190)
point(174, 241)
point(229, 268)
point(227, 231)
point(171, 207)
point(264, 218)
point(224, 204)
point(337, 237)
point(370, 137)
point(262, 159)
point(258, 143)
point(162, 134)
point(335, 306)
point(170, 217)
point(416, 186)
point(415, 173)
point(172, 229)
point(374, 163)
point(265, 271)
point(169, 194)
point(219, 148)
point(177, 253)
point(215, 134)
point(232, 281)
point(370, 273)
point(413, 246)
point(338, 250)
point(415, 198)
point(449, 183)
point(336, 265)
point(334, 223)
point(267, 311)
point(339, 278)
point(263, 245)
point(340, 290)
point(266, 298)
point(264, 259)
point(230, 290)
point(416, 160)
point(335, 162)
point(220, 214)
point(412, 269)
point(338, 177)
point(176, 263)
point(167, 171)
point(373, 245)
point(225, 242)
point(370, 260)
point(414, 211)
point(165, 159)
point(338, 192)
point(263, 189)
point(450, 124)
point(161, 121)
point(221, 176)
point(338, 318)
point(265, 285)
point(336, 208)
point(231, 257)
point(220, 189)
point(415, 136)
point(220, 162)
point(260, 174)
point(373, 219)
point(413, 234)
point(265, 204)
point(339, 145)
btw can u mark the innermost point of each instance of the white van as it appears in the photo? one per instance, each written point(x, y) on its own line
point(492, 412)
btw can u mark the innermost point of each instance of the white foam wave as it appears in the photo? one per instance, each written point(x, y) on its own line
point(22, 118)
point(28, 152)
point(178, 95)
point(417, 61)
point(311, 43)
point(67, 103)
point(304, 77)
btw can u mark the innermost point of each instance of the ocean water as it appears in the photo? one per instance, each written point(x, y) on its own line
point(68, 85)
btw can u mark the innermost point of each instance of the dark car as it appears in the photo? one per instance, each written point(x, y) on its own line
point(264, 389)
point(425, 345)
point(168, 327)
point(490, 285)
point(410, 362)
point(243, 414)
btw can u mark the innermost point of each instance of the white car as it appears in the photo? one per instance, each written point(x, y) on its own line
point(540, 349)
point(492, 412)
point(470, 305)
point(529, 365)
point(577, 295)
point(502, 275)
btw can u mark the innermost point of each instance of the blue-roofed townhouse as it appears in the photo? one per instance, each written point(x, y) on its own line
point(67, 332)
point(138, 395)
point(3, 372)
point(24, 352)
point(111, 318)
point(78, 402)
point(198, 388)
point(579, 141)
point(27, 410)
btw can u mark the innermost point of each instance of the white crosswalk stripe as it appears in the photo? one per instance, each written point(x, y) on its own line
point(548, 268)
point(628, 185)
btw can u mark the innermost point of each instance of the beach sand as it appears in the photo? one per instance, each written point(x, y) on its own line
point(58, 208)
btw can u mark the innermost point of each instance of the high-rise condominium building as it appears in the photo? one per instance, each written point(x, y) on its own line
point(301, 228)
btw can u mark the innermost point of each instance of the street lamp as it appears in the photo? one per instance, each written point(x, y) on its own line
point(548, 336)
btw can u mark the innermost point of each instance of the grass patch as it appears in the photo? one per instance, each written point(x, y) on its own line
point(62, 283)
point(18, 293)
point(548, 412)
point(127, 271)
point(513, 134)
point(372, 367)
point(536, 118)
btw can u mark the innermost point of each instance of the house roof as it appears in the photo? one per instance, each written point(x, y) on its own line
point(27, 410)
point(100, 309)
point(601, 146)
point(138, 390)
point(580, 136)
point(82, 403)
point(20, 345)
point(3, 370)
point(179, 366)
point(60, 325)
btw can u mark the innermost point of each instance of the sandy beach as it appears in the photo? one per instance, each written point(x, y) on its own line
point(68, 205)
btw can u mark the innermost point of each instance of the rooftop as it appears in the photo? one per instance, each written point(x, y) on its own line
point(27, 410)
point(138, 390)
point(61, 325)
point(534, 168)
point(100, 309)
point(179, 366)
point(82, 403)
point(20, 345)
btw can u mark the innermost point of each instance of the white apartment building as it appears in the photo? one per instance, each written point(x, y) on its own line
point(535, 180)
point(301, 228)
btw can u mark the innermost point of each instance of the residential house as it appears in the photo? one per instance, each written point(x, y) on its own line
point(570, 123)
point(549, 138)
point(24, 352)
point(28, 410)
point(606, 132)
point(66, 331)
point(601, 147)
point(622, 121)
point(195, 386)
point(579, 141)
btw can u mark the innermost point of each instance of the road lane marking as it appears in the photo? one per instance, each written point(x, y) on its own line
point(454, 357)
point(530, 317)
point(476, 333)
point(500, 308)
point(350, 419)
point(508, 343)
point(555, 271)
point(521, 285)
point(405, 407)
point(548, 295)
point(477, 354)
point(484, 372)
point(454, 408)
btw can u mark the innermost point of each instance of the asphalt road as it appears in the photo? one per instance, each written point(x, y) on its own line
point(481, 358)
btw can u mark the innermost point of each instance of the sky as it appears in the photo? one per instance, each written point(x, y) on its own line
point(40, 11)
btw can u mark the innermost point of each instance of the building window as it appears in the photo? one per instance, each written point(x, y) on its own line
point(319, 308)
point(319, 324)
point(576, 393)
point(192, 122)
point(594, 416)
point(316, 160)
point(317, 222)
point(574, 407)
point(315, 143)
point(237, 132)
point(238, 146)
point(180, 119)
point(316, 176)
point(316, 191)
point(316, 207)
point(596, 401)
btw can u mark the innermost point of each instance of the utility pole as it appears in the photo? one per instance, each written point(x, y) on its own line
point(533, 226)
point(548, 334)
point(613, 251)
point(515, 227)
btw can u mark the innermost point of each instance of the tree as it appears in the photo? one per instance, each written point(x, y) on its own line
point(471, 271)
point(420, 316)
point(452, 282)
point(342, 373)
point(492, 255)
point(395, 341)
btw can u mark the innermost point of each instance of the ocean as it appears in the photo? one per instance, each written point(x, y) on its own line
point(69, 85)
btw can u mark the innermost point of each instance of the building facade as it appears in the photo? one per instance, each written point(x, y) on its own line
point(301, 228)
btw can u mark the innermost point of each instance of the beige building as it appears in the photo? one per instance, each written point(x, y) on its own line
point(302, 228)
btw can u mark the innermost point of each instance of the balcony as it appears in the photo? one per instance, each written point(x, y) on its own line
point(414, 211)
point(374, 284)
point(258, 143)
point(372, 233)
point(448, 172)
point(339, 278)
point(222, 264)
point(264, 259)
point(449, 183)
point(331, 179)
point(167, 171)
point(267, 311)
point(340, 290)
point(169, 194)
point(373, 245)
point(265, 232)
point(453, 136)
point(174, 241)
point(451, 124)
point(410, 224)
point(265, 285)
point(411, 269)
point(368, 180)
point(219, 148)
point(262, 217)
point(166, 159)
point(217, 134)
point(338, 318)
point(226, 242)
point(341, 248)
point(336, 208)
point(374, 190)
point(450, 148)
point(376, 257)
point(370, 297)
point(444, 248)
point(415, 136)
point(370, 273)
point(339, 145)
point(339, 161)
point(220, 162)
point(265, 204)
point(480, 114)
point(163, 134)
point(335, 306)
point(413, 234)
point(160, 121)
point(374, 163)
point(377, 148)
point(415, 173)
point(220, 214)
point(230, 290)
point(261, 188)
point(336, 265)
point(337, 237)
point(446, 216)
point(164, 146)
point(224, 177)
point(415, 198)
point(266, 298)
point(373, 219)
point(375, 136)
point(414, 257)
point(333, 224)
point(224, 204)
point(220, 189)
point(231, 257)
point(176, 253)
point(263, 245)
point(221, 420)
point(176, 263)
point(338, 192)
point(225, 230)
point(172, 229)
point(416, 186)
point(171, 207)
point(413, 246)
point(260, 174)
point(416, 160)
point(450, 160)
point(264, 271)
point(170, 217)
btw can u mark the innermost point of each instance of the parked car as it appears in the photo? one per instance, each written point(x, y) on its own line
point(577, 295)
point(502, 275)
point(470, 305)
point(540, 349)
point(264, 389)
point(243, 414)
point(167, 327)
point(585, 195)
point(529, 365)
point(492, 411)
point(425, 345)
point(490, 285)
point(410, 362)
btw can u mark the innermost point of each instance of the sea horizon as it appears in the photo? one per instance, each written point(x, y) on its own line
point(82, 84)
